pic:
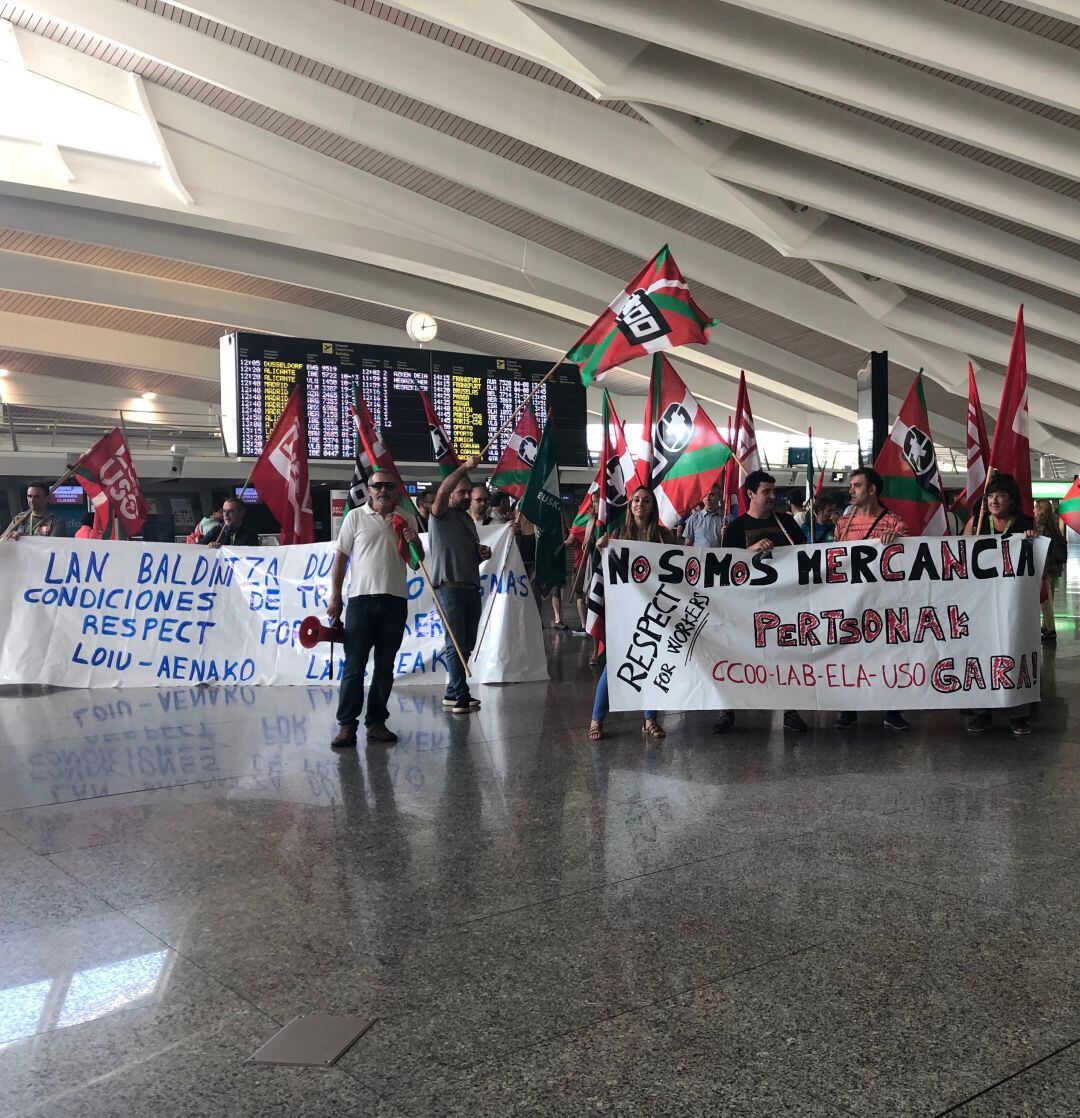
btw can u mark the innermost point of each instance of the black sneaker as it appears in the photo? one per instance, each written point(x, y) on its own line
point(448, 702)
point(465, 705)
point(793, 720)
point(381, 733)
point(846, 719)
point(1020, 727)
point(978, 724)
point(724, 722)
point(894, 720)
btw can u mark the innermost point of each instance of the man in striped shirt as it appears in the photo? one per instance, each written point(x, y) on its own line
point(869, 519)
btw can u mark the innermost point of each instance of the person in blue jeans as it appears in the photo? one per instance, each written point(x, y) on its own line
point(367, 548)
point(456, 555)
point(642, 523)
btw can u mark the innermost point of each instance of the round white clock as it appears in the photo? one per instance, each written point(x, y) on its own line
point(421, 327)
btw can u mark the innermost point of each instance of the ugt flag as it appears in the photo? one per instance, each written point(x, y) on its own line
point(1011, 452)
point(682, 455)
point(653, 312)
point(541, 503)
point(515, 465)
point(281, 473)
point(108, 478)
point(442, 449)
point(909, 469)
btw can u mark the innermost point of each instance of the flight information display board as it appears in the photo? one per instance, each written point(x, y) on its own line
point(474, 396)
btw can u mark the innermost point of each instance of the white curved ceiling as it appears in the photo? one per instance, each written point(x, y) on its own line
point(833, 176)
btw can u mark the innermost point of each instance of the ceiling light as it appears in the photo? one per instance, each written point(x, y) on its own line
point(149, 395)
point(3, 373)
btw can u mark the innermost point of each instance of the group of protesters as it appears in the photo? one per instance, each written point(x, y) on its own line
point(369, 545)
point(763, 528)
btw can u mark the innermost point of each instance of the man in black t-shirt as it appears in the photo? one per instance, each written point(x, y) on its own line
point(761, 529)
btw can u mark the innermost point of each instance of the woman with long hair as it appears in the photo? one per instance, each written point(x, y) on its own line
point(1047, 524)
point(1003, 517)
point(642, 524)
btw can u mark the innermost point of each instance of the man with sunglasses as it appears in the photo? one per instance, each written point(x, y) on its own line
point(456, 555)
point(378, 604)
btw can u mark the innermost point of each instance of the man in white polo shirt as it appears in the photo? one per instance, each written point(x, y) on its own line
point(378, 605)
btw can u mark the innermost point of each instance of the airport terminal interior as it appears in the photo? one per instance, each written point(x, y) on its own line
point(627, 274)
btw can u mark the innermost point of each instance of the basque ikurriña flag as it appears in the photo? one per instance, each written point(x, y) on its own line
point(1069, 508)
point(516, 462)
point(616, 477)
point(682, 455)
point(281, 473)
point(909, 468)
point(108, 478)
point(442, 449)
point(655, 311)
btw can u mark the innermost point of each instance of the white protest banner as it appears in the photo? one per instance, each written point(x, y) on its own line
point(88, 613)
point(922, 622)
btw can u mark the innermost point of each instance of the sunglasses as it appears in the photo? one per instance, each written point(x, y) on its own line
point(381, 485)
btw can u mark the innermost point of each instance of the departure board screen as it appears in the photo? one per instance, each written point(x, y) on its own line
point(473, 395)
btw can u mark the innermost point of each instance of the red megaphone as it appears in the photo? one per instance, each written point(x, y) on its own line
point(312, 632)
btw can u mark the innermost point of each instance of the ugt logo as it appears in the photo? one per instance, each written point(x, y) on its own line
point(639, 319)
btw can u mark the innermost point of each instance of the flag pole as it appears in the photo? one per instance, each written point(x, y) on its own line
point(446, 625)
point(23, 516)
point(509, 424)
point(810, 440)
point(990, 471)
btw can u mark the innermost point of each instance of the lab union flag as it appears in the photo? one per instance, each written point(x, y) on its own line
point(655, 311)
point(515, 465)
point(909, 468)
point(442, 449)
point(682, 455)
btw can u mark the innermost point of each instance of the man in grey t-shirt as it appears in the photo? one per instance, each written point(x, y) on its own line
point(456, 555)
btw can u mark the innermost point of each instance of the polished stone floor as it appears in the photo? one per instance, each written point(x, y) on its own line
point(835, 924)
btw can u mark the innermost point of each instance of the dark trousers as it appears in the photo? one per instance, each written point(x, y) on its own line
point(372, 621)
point(461, 608)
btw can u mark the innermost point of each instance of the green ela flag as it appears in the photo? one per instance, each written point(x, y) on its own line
point(542, 504)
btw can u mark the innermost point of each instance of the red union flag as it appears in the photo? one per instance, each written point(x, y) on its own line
point(745, 446)
point(1011, 452)
point(978, 444)
point(655, 311)
point(107, 476)
point(281, 474)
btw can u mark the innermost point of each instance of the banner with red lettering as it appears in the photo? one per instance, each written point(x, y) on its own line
point(945, 622)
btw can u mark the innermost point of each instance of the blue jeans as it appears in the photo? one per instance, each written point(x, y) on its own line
point(461, 609)
point(600, 703)
point(372, 621)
